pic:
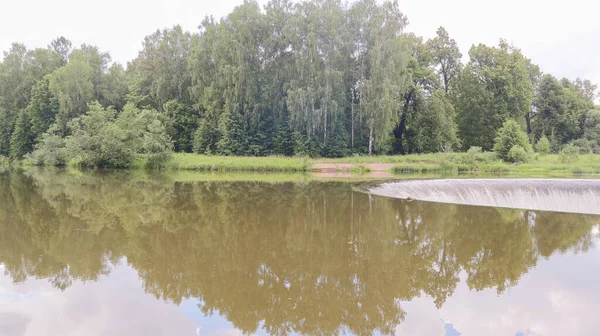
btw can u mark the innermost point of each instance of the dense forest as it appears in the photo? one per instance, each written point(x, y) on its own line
point(322, 78)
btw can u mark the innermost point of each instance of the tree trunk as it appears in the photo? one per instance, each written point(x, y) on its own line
point(352, 121)
point(528, 120)
point(398, 147)
point(370, 140)
point(398, 134)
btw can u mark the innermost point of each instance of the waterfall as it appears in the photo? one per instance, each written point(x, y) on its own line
point(563, 195)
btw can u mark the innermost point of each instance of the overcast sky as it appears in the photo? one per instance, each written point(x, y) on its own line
point(563, 37)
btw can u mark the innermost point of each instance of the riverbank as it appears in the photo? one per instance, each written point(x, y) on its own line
point(379, 165)
point(407, 164)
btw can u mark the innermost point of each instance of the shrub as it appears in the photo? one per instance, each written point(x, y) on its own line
point(508, 136)
point(543, 146)
point(49, 151)
point(473, 153)
point(569, 154)
point(474, 150)
point(517, 154)
point(585, 146)
point(100, 138)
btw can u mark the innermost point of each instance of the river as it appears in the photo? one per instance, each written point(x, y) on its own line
point(126, 253)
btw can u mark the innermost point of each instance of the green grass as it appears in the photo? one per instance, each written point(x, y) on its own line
point(360, 169)
point(186, 161)
point(193, 176)
point(439, 163)
point(407, 164)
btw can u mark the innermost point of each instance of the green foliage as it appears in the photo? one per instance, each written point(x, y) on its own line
point(446, 54)
point(517, 154)
point(21, 141)
point(543, 146)
point(508, 136)
point(569, 154)
point(435, 127)
point(561, 107)
point(474, 151)
point(585, 146)
point(495, 86)
point(591, 129)
point(72, 85)
point(50, 150)
point(160, 73)
point(42, 108)
point(100, 138)
point(183, 121)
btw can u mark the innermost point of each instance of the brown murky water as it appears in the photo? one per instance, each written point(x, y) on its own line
point(124, 254)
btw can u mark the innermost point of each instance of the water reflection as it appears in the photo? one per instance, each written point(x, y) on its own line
point(309, 257)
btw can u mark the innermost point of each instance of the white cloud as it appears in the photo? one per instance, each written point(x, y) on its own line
point(114, 305)
point(559, 297)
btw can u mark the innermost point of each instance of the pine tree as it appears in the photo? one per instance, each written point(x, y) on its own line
point(21, 141)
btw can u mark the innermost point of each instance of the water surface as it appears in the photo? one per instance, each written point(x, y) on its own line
point(129, 254)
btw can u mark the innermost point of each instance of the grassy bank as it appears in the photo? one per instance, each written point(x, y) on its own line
point(418, 163)
point(401, 165)
point(480, 162)
point(186, 161)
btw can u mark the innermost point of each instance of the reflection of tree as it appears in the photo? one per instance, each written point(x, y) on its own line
point(312, 257)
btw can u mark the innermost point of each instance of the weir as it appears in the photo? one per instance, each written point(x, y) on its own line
point(562, 195)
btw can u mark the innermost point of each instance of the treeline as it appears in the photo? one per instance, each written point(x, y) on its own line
point(318, 78)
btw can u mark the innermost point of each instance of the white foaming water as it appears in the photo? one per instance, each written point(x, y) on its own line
point(564, 195)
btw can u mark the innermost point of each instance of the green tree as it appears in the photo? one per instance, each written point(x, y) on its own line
point(62, 47)
point(101, 138)
point(381, 92)
point(560, 110)
point(113, 88)
point(543, 146)
point(495, 86)
point(160, 72)
point(435, 126)
point(446, 56)
point(591, 130)
point(21, 141)
point(510, 135)
point(183, 122)
point(72, 85)
point(42, 108)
